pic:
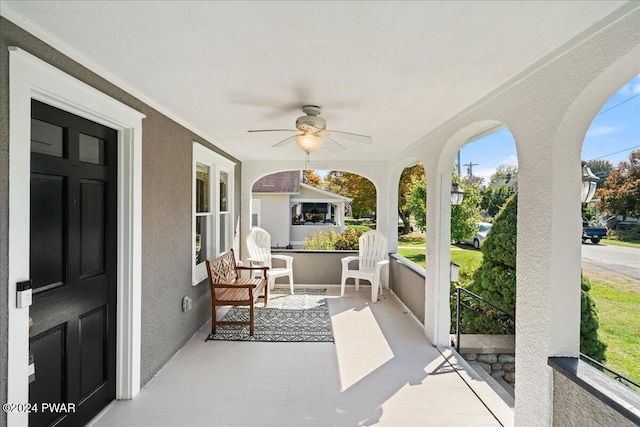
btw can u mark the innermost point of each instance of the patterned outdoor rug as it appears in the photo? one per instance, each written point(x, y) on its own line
point(302, 317)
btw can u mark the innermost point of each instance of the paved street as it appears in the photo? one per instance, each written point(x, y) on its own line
point(622, 260)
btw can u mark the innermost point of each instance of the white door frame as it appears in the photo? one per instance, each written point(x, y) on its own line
point(32, 78)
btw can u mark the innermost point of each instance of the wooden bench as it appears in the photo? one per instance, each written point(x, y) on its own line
point(229, 289)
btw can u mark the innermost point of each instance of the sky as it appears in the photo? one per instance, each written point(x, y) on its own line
point(614, 133)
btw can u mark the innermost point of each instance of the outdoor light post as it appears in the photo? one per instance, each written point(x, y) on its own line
point(589, 183)
point(456, 194)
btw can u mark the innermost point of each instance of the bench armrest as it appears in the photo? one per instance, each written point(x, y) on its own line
point(232, 286)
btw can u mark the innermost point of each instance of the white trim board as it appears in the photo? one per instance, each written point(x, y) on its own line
point(32, 78)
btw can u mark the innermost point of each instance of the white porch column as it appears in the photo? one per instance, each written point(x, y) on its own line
point(437, 311)
point(548, 265)
point(392, 212)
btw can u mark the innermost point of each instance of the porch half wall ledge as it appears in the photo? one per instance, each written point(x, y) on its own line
point(582, 395)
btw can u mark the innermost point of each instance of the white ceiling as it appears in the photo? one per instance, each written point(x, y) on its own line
point(392, 70)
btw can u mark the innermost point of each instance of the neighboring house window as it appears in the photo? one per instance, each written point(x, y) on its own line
point(255, 213)
point(212, 208)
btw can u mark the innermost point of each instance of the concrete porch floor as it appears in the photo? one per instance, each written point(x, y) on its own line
point(380, 370)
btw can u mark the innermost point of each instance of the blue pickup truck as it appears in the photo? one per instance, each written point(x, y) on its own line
point(592, 233)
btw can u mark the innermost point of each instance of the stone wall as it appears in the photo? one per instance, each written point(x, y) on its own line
point(498, 365)
point(493, 353)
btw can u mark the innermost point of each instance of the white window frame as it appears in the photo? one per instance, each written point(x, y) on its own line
point(217, 164)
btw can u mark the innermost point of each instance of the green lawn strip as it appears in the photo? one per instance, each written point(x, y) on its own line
point(461, 257)
point(613, 242)
point(407, 240)
point(619, 317)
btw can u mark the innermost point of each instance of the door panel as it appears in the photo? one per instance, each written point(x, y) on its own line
point(73, 264)
point(49, 350)
point(48, 230)
point(92, 228)
point(93, 335)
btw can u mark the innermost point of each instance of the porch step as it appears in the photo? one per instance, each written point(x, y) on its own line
point(500, 386)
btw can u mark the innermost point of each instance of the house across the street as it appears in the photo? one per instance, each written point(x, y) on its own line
point(291, 210)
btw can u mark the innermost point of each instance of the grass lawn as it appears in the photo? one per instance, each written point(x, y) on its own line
point(630, 244)
point(412, 247)
point(617, 302)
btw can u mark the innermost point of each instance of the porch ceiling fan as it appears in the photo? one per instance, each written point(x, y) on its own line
point(311, 133)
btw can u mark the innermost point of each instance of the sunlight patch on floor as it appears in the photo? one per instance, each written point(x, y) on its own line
point(361, 347)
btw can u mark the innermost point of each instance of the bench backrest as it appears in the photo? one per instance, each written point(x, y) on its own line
point(222, 269)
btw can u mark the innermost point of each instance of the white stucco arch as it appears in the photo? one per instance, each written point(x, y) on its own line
point(395, 172)
point(252, 170)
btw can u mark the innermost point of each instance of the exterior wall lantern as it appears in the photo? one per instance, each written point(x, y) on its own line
point(456, 194)
point(589, 183)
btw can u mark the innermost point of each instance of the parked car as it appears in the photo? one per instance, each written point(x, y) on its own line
point(592, 233)
point(477, 239)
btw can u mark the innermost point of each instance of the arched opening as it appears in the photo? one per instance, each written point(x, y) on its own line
point(412, 213)
point(483, 236)
point(314, 209)
point(611, 235)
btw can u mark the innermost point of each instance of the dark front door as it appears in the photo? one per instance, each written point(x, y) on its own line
point(72, 266)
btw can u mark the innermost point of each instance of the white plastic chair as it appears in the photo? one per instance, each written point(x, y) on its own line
point(259, 245)
point(371, 259)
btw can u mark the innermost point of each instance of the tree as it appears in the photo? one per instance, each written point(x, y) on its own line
point(590, 343)
point(356, 187)
point(417, 202)
point(473, 181)
point(493, 197)
point(502, 172)
point(310, 177)
point(620, 194)
point(601, 169)
point(411, 176)
point(465, 217)
point(495, 281)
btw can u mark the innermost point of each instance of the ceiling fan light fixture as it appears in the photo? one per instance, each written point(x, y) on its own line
point(309, 142)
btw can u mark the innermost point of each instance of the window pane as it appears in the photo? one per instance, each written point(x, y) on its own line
point(224, 244)
point(202, 188)
point(47, 138)
point(223, 192)
point(202, 239)
point(92, 150)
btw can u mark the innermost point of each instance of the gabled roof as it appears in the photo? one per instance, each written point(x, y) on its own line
point(315, 192)
point(280, 182)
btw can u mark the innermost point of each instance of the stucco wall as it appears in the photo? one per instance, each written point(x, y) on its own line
point(166, 212)
point(408, 284)
point(573, 406)
point(316, 267)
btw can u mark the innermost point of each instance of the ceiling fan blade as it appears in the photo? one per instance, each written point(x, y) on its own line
point(283, 142)
point(273, 130)
point(355, 137)
point(333, 145)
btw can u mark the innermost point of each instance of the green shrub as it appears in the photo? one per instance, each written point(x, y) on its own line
point(495, 279)
point(590, 343)
point(361, 228)
point(321, 240)
point(348, 240)
point(630, 234)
